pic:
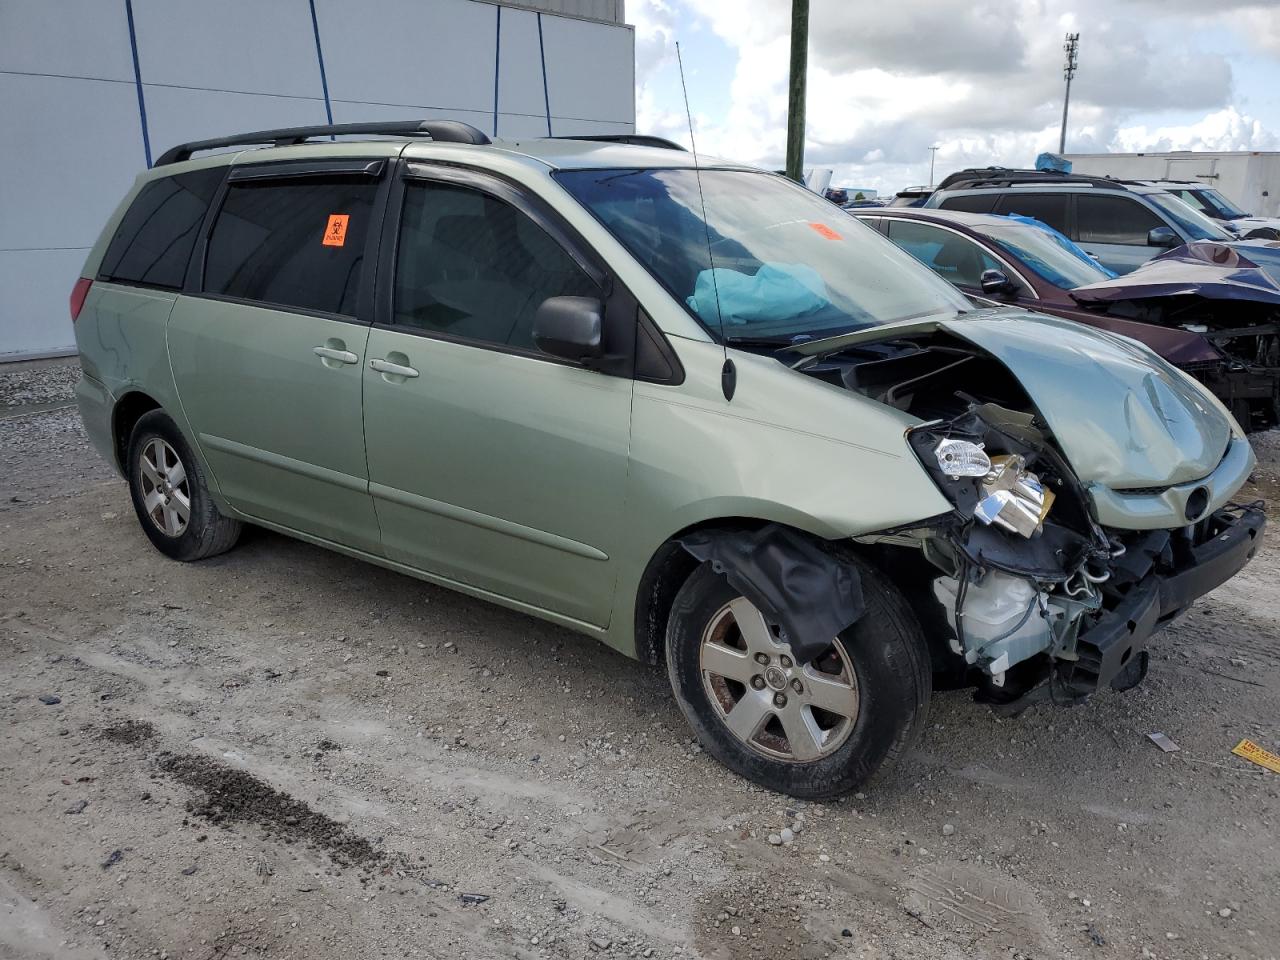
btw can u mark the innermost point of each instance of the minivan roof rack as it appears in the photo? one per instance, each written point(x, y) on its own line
point(443, 131)
point(633, 139)
point(1163, 181)
point(1004, 176)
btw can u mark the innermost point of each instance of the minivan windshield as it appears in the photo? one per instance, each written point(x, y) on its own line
point(770, 262)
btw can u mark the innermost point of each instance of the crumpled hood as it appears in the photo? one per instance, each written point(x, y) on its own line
point(1122, 416)
point(1215, 271)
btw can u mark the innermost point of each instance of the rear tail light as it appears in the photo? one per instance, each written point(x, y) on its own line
point(78, 293)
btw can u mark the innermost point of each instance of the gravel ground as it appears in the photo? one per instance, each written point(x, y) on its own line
point(37, 382)
point(283, 753)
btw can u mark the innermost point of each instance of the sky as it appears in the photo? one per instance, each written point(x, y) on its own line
point(981, 79)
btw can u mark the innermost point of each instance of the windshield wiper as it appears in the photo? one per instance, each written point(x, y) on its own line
point(780, 340)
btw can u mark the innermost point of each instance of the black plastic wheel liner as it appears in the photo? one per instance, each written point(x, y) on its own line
point(812, 595)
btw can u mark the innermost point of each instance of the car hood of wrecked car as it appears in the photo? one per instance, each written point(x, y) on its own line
point(1123, 417)
point(1245, 270)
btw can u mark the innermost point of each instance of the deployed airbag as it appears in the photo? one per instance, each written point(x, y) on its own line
point(809, 593)
point(777, 291)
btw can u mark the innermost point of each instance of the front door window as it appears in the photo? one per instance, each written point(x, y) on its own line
point(472, 266)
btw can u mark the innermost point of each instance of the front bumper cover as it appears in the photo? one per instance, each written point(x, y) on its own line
point(1161, 509)
point(1229, 539)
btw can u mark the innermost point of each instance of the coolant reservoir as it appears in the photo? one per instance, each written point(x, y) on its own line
point(998, 630)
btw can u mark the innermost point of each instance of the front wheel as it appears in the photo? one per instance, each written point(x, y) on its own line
point(812, 730)
point(170, 493)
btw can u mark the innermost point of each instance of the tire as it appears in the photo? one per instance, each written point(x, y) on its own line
point(170, 494)
point(883, 658)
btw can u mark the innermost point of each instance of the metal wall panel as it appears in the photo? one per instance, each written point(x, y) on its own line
point(520, 125)
point(52, 196)
point(611, 11)
point(590, 69)
point(350, 111)
point(35, 318)
point(575, 128)
point(437, 53)
point(520, 79)
point(73, 38)
point(69, 100)
point(244, 45)
point(177, 116)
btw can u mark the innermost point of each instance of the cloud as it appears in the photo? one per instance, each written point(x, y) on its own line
point(655, 22)
point(1262, 27)
point(1202, 8)
point(960, 36)
point(1224, 130)
point(980, 78)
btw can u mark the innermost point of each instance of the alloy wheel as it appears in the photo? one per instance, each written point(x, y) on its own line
point(166, 492)
point(779, 708)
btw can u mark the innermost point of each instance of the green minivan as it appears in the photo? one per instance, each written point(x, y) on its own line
point(678, 404)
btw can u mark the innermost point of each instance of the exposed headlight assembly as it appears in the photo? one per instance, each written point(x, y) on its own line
point(1009, 496)
point(960, 458)
point(1013, 497)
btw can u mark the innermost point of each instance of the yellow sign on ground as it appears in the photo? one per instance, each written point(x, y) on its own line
point(1263, 758)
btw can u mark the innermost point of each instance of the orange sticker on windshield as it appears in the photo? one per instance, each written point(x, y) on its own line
point(823, 230)
point(335, 234)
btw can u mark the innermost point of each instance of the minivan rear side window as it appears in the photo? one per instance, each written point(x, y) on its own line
point(1048, 208)
point(1106, 219)
point(153, 243)
point(292, 242)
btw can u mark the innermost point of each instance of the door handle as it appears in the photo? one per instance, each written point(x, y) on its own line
point(392, 369)
point(330, 353)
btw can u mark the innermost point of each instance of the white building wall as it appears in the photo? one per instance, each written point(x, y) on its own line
point(74, 130)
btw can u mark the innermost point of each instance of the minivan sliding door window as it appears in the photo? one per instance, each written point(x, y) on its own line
point(292, 243)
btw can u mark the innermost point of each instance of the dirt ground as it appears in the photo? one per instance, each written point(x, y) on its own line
point(284, 753)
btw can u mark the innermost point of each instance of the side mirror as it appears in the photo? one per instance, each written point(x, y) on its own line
point(1163, 237)
point(996, 282)
point(570, 328)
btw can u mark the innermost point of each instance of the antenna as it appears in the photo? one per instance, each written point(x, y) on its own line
point(728, 373)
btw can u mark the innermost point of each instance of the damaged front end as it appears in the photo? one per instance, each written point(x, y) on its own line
point(1042, 601)
point(1042, 583)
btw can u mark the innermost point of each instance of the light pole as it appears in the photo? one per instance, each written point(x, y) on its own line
point(1072, 47)
point(796, 94)
point(933, 153)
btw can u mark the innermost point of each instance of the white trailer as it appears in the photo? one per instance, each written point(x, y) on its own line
point(1250, 179)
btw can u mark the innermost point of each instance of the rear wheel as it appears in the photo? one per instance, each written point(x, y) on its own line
point(815, 729)
point(170, 494)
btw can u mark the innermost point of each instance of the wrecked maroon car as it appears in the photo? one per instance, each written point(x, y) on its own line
point(1206, 307)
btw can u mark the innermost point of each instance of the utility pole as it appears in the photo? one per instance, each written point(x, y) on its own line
point(933, 153)
point(1072, 47)
point(796, 95)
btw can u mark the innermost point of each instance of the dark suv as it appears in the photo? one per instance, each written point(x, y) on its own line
point(1121, 225)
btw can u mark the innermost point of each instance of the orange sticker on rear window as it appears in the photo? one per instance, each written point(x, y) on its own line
point(823, 230)
point(335, 234)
